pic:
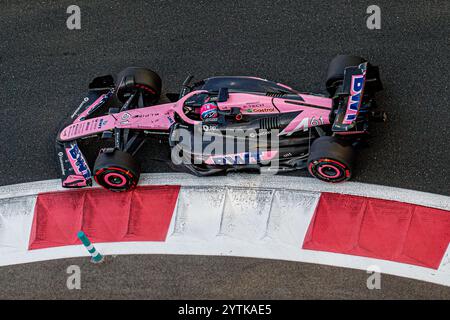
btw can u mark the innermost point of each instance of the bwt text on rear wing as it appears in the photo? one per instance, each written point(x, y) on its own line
point(355, 97)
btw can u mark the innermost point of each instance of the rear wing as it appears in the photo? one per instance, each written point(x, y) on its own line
point(360, 82)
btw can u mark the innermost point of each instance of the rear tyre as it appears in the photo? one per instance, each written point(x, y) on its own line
point(336, 68)
point(135, 78)
point(116, 171)
point(331, 159)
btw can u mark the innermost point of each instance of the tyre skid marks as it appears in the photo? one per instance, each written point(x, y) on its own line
point(245, 214)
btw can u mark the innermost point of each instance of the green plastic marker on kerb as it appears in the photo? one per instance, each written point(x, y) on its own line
point(96, 257)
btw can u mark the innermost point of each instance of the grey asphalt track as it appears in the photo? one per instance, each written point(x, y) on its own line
point(45, 69)
point(201, 277)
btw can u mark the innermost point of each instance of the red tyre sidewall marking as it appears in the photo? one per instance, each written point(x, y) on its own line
point(145, 88)
point(125, 172)
point(322, 167)
point(123, 181)
point(346, 170)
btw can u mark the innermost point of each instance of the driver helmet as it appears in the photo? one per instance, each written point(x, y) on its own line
point(209, 110)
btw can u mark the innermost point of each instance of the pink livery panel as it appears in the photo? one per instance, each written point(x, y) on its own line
point(154, 118)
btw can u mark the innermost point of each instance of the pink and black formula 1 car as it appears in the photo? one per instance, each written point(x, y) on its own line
point(313, 131)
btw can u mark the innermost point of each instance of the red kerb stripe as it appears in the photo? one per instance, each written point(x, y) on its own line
point(143, 214)
point(381, 229)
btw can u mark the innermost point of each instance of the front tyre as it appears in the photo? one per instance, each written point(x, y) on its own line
point(148, 82)
point(331, 160)
point(116, 171)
